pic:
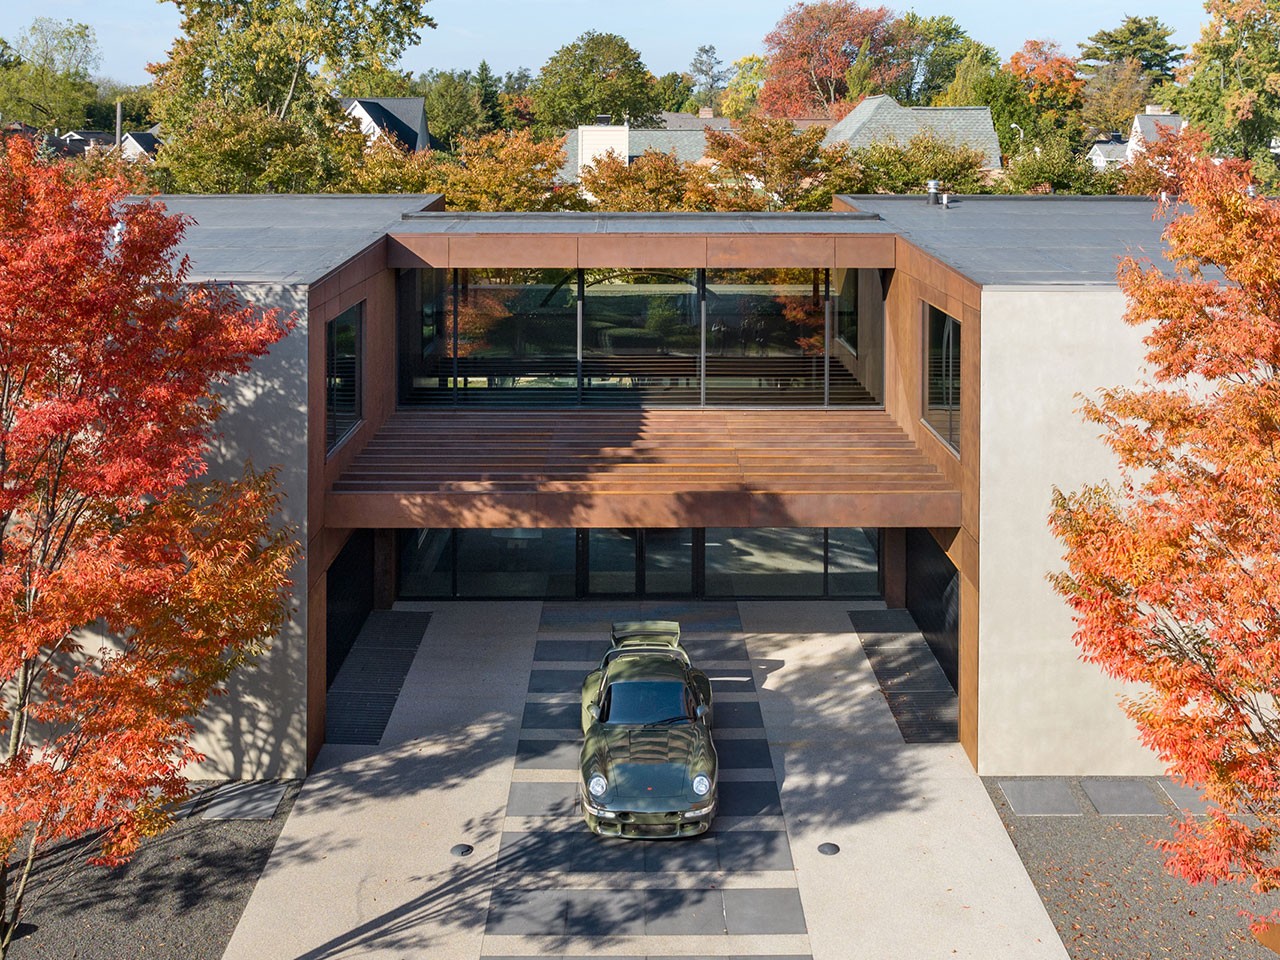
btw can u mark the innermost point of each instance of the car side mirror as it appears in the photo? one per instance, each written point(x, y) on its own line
point(594, 710)
point(701, 711)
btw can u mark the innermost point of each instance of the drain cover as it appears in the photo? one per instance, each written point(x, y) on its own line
point(827, 849)
point(462, 850)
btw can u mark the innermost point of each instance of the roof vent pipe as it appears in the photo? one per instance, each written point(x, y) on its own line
point(932, 187)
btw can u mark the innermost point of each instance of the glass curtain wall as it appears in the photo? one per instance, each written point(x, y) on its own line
point(641, 338)
point(942, 383)
point(343, 373)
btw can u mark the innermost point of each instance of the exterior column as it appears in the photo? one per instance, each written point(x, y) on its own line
point(384, 569)
point(893, 567)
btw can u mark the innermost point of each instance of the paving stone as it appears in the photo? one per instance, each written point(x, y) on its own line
point(540, 851)
point(754, 850)
point(684, 913)
point(695, 854)
point(527, 913)
point(605, 913)
point(744, 755)
point(556, 681)
point(252, 800)
point(554, 716)
point(547, 650)
point(703, 648)
point(1040, 798)
point(763, 911)
point(1123, 798)
point(608, 855)
point(749, 798)
point(734, 714)
point(542, 799)
point(1184, 797)
point(547, 754)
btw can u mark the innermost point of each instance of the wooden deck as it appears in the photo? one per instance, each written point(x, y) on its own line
point(641, 468)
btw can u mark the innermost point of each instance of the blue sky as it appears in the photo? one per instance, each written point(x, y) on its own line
point(513, 33)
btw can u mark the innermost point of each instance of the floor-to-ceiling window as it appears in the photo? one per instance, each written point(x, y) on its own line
point(942, 375)
point(343, 373)
point(641, 337)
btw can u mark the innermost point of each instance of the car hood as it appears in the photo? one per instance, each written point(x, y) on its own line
point(643, 762)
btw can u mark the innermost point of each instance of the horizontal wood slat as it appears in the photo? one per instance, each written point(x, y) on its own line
point(546, 468)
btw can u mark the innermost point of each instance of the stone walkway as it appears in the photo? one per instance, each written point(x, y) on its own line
point(481, 750)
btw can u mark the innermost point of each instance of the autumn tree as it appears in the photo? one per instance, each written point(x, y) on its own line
point(387, 166)
point(766, 165)
point(1144, 39)
point(110, 371)
point(1113, 95)
point(812, 49)
point(509, 171)
point(599, 73)
point(654, 182)
point(1173, 572)
point(889, 166)
point(1052, 85)
point(742, 92)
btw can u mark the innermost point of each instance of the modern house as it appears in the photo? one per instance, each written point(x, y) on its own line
point(880, 118)
point(404, 119)
point(874, 402)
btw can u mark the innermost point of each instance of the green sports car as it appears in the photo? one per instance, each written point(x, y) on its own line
point(648, 765)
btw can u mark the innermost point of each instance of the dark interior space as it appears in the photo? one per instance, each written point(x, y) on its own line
point(349, 586)
point(933, 597)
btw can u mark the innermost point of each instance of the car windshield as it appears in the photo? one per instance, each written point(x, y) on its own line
point(644, 701)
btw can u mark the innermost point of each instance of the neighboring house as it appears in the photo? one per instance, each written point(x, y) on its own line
point(586, 143)
point(1108, 153)
point(141, 145)
point(872, 403)
point(882, 118)
point(702, 120)
point(404, 119)
point(1150, 127)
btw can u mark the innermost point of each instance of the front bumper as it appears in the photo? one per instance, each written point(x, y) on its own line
point(611, 821)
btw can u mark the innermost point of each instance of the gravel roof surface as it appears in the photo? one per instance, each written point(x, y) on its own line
point(1107, 891)
point(180, 898)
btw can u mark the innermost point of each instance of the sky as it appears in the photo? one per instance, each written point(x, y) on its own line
point(516, 33)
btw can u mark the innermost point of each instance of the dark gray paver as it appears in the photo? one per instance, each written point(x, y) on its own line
point(754, 850)
point(556, 681)
point(1184, 797)
point(1113, 798)
point(744, 754)
point(696, 854)
point(539, 851)
point(552, 716)
point(706, 647)
point(737, 714)
point(763, 911)
point(251, 800)
point(749, 798)
point(602, 913)
point(684, 913)
point(609, 855)
point(1040, 798)
point(547, 754)
point(527, 912)
point(542, 799)
point(549, 650)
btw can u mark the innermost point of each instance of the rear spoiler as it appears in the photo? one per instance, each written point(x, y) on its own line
point(655, 632)
point(633, 647)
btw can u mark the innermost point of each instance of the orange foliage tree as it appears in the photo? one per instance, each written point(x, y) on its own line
point(1173, 572)
point(766, 165)
point(510, 171)
point(1049, 78)
point(129, 590)
point(653, 182)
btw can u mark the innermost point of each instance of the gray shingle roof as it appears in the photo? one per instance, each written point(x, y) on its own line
point(689, 147)
point(882, 118)
point(691, 121)
point(1111, 150)
point(398, 116)
point(1149, 125)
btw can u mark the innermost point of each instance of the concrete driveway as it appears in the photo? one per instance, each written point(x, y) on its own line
point(481, 749)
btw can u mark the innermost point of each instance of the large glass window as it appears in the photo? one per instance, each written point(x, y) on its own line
point(766, 335)
point(668, 562)
point(857, 347)
point(764, 561)
point(942, 380)
point(516, 332)
point(853, 561)
point(426, 563)
point(641, 337)
point(516, 563)
point(611, 561)
point(423, 331)
point(343, 362)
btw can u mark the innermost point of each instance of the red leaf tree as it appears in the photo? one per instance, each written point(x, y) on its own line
point(812, 49)
point(129, 590)
point(1173, 572)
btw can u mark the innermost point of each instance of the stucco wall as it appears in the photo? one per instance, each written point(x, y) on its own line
point(1041, 711)
point(259, 729)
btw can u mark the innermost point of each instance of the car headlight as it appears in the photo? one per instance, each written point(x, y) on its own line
point(702, 784)
point(597, 785)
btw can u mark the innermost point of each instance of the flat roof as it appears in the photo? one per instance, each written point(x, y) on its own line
point(691, 223)
point(283, 238)
point(1026, 240)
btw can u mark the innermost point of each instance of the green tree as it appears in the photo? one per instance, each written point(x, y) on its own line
point(938, 46)
point(1114, 94)
point(978, 64)
point(1231, 81)
point(452, 107)
point(742, 93)
point(517, 81)
point(672, 90)
point(766, 165)
point(1144, 39)
point(487, 89)
point(136, 106)
point(709, 76)
point(49, 85)
point(1052, 165)
point(888, 166)
point(599, 73)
